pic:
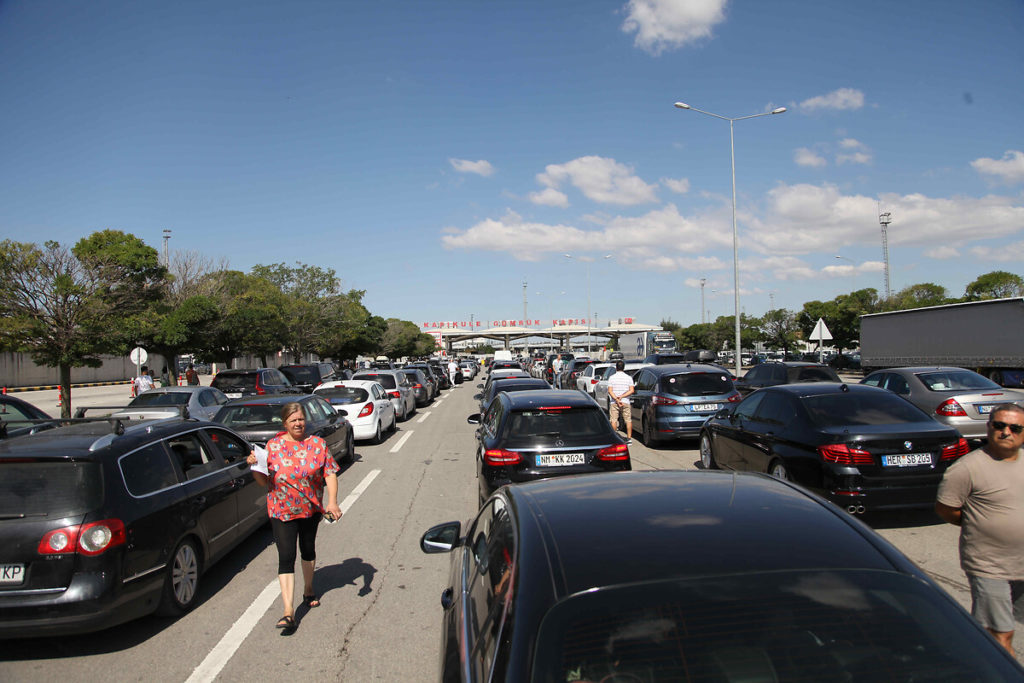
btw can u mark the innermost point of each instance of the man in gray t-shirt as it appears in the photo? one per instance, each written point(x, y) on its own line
point(983, 494)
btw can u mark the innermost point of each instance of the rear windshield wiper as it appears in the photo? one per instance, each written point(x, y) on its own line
point(24, 515)
point(549, 434)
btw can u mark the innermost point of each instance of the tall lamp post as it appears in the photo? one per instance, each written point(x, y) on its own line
point(587, 261)
point(735, 237)
point(852, 263)
point(703, 281)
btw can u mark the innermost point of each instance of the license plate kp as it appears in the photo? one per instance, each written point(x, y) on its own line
point(12, 574)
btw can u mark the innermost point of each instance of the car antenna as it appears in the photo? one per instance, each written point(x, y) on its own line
point(843, 387)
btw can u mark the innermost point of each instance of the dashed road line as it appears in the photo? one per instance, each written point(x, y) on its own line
point(423, 417)
point(401, 442)
point(222, 652)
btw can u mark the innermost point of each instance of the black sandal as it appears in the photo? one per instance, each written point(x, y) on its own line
point(286, 623)
point(311, 600)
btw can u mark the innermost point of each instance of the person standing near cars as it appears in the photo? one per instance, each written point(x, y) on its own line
point(300, 467)
point(983, 494)
point(143, 382)
point(191, 376)
point(453, 368)
point(620, 388)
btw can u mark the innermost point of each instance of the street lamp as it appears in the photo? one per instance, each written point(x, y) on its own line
point(703, 281)
point(854, 264)
point(587, 261)
point(735, 237)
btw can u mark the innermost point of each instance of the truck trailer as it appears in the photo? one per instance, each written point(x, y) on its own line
point(984, 336)
point(639, 345)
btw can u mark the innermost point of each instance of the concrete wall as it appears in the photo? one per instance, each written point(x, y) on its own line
point(19, 370)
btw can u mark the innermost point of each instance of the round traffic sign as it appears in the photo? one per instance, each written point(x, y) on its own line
point(138, 355)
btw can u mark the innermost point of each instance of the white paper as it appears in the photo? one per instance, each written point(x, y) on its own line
point(261, 460)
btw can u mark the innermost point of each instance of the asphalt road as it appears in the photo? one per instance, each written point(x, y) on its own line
point(381, 595)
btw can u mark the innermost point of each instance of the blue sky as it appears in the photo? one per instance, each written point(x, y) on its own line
point(437, 154)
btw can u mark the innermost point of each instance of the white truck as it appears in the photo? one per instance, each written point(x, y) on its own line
point(639, 345)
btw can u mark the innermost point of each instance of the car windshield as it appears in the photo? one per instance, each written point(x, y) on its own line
point(962, 380)
point(301, 375)
point(812, 373)
point(696, 384)
point(849, 409)
point(250, 415)
point(160, 398)
point(557, 422)
point(344, 395)
point(858, 626)
point(49, 489)
point(234, 382)
point(386, 381)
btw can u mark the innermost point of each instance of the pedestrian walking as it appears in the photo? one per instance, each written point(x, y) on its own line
point(983, 494)
point(556, 370)
point(299, 469)
point(165, 377)
point(143, 382)
point(620, 388)
point(453, 368)
point(191, 376)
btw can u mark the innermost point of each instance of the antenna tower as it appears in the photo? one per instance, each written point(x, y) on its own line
point(885, 219)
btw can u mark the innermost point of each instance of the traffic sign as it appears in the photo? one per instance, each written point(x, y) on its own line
point(821, 332)
point(139, 355)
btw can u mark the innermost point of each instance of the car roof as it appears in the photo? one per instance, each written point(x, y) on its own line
point(676, 368)
point(927, 368)
point(184, 389)
point(821, 388)
point(86, 439)
point(683, 524)
point(269, 399)
point(357, 383)
point(549, 397)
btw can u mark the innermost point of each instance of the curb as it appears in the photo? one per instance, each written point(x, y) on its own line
point(11, 390)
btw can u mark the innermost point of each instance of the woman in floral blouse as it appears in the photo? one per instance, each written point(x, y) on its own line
point(300, 468)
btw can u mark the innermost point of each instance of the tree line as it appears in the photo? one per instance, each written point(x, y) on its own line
point(69, 307)
point(781, 329)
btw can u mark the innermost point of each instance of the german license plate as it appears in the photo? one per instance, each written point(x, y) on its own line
point(12, 574)
point(984, 410)
point(233, 394)
point(907, 460)
point(561, 459)
point(705, 407)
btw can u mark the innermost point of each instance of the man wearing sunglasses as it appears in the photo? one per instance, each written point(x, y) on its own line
point(983, 494)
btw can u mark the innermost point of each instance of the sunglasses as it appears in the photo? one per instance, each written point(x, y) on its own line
point(1000, 426)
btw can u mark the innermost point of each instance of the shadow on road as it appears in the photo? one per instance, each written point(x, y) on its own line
point(345, 574)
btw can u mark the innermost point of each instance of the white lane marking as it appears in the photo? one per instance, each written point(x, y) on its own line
point(423, 417)
point(401, 442)
point(222, 652)
point(438, 402)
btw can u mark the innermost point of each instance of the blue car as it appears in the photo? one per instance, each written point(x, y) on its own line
point(674, 401)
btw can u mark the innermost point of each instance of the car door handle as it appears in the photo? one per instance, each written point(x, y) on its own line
point(199, 501)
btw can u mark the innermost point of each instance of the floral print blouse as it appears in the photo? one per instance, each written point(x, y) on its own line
point(297, 470)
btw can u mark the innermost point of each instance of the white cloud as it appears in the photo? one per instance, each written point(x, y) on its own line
point(1010, 252)
point(807, 157)
point(669, 24)
point(804, 218)
point(855, 158)
point(850, 143)
point(481, 167)
point(843, 98)
point(942, 253)
point(677, 185)
point(600, 179)
point(780, 267)
point(1010, 168)
point(550, 197)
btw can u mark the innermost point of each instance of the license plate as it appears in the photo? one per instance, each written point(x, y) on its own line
point(561, 459)
point(12, 574)
point(704, 407)
point(907, 460)
point(984, 410)
point(233, 394)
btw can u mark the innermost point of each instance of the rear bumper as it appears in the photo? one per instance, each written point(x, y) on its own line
point(493, 478)
point(882, 493)
point(679, 426)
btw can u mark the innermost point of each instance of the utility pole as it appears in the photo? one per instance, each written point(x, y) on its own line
point(524, 301)
point(885, 219)
point(703, 281)
point(771, 299)
point(167, 236)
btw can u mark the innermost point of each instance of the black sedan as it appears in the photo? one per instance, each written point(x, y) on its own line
point(692, 576)
point(258, 419)
point(511, 384)
point(773, 374)
point(108, 520)
point(530, 435)
point(861, 447)
point(18, 417)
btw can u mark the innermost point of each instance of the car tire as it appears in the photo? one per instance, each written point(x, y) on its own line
point(707, 455)
point(779, 471)
point(647, 434)
point(378, 436)
point(350, 448)
point(181, 583)
point(394, 423)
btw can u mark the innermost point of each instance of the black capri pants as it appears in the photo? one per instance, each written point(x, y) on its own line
point(285, 533)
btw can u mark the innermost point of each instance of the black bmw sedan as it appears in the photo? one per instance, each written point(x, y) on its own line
point(530, 435)
point(861, 447)
point(692, 576)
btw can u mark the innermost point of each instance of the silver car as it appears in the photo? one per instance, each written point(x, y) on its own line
point(162, 402)
point(956, 397)
point(398, 386)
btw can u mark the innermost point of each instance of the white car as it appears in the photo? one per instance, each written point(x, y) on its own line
point(601, 388)
point(590, 376)
point(201, 403)
point(366, 404)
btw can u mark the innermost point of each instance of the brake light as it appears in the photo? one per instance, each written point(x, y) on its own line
point(367, 410)
point(88, 539)
point(950, 408)
point(394, 394)
point(842, 454)
point(417, 386)
point(619, 451)
point(594, 381)
point(735, 398)
point(659, 400)
point(499, 456)
point(259, 387)
point(953, 451)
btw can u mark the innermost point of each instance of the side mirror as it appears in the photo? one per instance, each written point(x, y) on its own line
point(724, 412)
point(442, 538)
point(474, 419)
point(480, 386)
point(341, 411)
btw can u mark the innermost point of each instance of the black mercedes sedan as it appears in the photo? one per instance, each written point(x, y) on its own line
point(861, 447)
point(530, 435)
point(692, 576)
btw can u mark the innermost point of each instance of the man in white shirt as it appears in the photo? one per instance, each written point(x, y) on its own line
point(453, 368)
point(620, 388)
point(143, 382)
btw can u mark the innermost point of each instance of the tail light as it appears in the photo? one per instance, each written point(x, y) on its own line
point(950, 408)
point(619, 451)
point(87, 539)
point(417, 386)
point(659, 400)
point(499, 456)
point(842, 454)
point(395, 394)
point(735, 398)
point(259, 387)
point(594, 381)
point(955, 450)
point(367, 410)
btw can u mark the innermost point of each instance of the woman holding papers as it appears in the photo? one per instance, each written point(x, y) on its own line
point(297, 470)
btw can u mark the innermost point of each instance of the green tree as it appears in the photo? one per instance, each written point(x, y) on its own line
point(351, 329)
point(780, 329)
point(66, 308)
point(403, 338)
point(308, 290)
point(841, 316)
point(250, 318)
point(918, 296)
point(998, 284)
